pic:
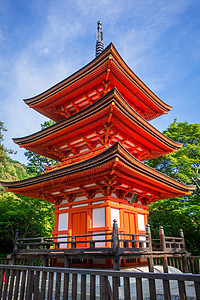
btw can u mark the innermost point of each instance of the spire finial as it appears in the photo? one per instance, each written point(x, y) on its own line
point(99, 43)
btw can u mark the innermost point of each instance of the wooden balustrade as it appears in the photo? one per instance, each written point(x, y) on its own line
point(4, 261)
point(132, 241)
point(115, 245)
point(22, 282)
point(115, 241)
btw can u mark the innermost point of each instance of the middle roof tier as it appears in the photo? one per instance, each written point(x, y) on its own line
point(92, 130)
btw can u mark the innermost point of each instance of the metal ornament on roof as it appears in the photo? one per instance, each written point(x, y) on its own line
point(99, 37)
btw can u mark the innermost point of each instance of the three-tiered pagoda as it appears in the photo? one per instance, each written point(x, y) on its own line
point(101, 138)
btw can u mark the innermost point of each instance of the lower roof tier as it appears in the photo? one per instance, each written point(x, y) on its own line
point(114, 170)
point(97, 127)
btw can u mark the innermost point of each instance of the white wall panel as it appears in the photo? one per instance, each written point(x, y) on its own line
point(141, 223)
point(98, 195)
point(81, 198)
point(143, 238)
point(100, 237)
point(99, 217)
point(115, 215)
point(63, 222)
point(63, 245)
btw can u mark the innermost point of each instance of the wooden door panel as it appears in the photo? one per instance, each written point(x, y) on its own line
point(79, 226)
point(129, 225)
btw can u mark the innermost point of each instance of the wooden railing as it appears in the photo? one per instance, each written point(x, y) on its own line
point(168, 243)
point(113, 241)
point(176, 262)
point(4, 261)
point(21, 282)
point(111, 245)
point(108, 242)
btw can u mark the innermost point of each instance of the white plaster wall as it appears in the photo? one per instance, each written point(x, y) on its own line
point(81, 198)
point(115, 215)
point(63, 222)
point(98, 202)
point(113, 195)
point(62, 240)
point(141, 223)
point(143, 238)
point(79, 205)
point(99, 217)
point(98, 195)
point(64, 201)
point(100, 237)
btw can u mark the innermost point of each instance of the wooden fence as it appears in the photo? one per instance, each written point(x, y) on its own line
point(5, 261)
point(115, 241)
point(109, 242)
point(22, 282)
point(193, 263)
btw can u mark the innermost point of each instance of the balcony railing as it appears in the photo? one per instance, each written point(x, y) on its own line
point(28, 282)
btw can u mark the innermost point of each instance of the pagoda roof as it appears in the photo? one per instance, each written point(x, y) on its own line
point(85, 86)
point(115, 165)
point(88, 126)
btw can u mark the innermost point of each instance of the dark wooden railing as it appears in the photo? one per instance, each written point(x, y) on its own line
point(21, 282)
point(113, 245)
point(114, 241)
point(176, 262)
point(168, 243)
point(4, 261)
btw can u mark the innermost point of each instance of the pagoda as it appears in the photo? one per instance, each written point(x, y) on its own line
point(100, 139)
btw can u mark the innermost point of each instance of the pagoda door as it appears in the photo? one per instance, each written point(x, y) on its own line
point(79, 226)
point(129, 225)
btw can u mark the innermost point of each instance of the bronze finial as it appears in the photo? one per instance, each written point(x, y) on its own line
point(99, 38)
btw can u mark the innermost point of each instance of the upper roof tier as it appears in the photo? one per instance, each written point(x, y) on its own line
point(100, 125)
point(91, 82)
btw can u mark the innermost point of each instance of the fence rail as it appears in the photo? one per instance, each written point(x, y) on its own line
point(20, 282)
point(4, 261)
point(114, 241)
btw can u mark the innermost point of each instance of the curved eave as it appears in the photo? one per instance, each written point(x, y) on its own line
point(103, 161)
point(37, 101)
point(114, 96)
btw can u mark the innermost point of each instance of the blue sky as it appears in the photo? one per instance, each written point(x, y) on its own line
point(43, 42)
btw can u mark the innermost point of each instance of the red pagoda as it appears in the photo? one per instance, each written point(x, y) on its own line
point(101, 138)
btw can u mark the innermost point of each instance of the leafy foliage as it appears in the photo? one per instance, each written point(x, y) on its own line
point(36, 162)
point(3, 150)
point(32, 217)
point(183, 165)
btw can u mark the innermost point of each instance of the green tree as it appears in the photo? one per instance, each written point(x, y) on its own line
point(32, 217)
point(3, 151)
point(37, 163)
point(183, 165)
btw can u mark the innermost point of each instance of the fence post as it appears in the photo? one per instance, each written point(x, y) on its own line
point(13, 256)
point(185, 256)
point(73, 245)
point(150, 259)
point(66, 262)
point(115, 243)
point(16, 240)
point(45, 260)
point(41, 243)
point(163, 248)
point(162, 239)
point(115, 237)
point(148, 232)
point(183, 239)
